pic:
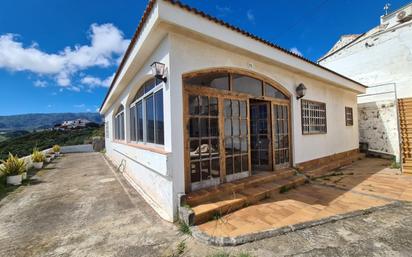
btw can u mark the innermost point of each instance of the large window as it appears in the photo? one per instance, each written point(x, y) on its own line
point(313, 117)
point(119, 124)
point(146, 114)
point(237, 83)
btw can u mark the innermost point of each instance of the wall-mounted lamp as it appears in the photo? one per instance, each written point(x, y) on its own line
point(300, 91)
point(159, 71)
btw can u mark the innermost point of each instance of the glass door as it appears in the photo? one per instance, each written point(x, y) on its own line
point(203, 142)
point(260, 134)
point(281, 136)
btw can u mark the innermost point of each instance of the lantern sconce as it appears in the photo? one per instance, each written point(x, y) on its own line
point(300, 91)
point(159, 71)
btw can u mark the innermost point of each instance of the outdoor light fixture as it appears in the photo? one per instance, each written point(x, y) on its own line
point(300, 91)
point(159, 71)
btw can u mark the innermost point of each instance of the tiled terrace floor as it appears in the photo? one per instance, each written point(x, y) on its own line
point(364, 184)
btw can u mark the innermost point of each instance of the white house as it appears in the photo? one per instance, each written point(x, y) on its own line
point(380, 58)
point(224, 105)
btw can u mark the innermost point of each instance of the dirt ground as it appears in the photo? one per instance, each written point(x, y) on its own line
point(80, 207)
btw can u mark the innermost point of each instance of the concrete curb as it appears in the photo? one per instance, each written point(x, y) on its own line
point(238, 240)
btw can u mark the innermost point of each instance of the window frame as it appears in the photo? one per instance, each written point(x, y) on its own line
point(120, 117)
point(303, 118)
point(142, 99)
point(348, 121)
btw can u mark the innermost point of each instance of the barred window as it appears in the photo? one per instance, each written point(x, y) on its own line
point(146, 114)
point(313, 117)
point(119, 124)
point(349, 116)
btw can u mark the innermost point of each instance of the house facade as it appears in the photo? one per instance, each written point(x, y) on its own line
point(380, 58)
point(225, 108)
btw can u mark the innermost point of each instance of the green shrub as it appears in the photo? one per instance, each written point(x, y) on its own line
point(56, 149)
point(13, 166)
point(184, 228)
point(37, 156)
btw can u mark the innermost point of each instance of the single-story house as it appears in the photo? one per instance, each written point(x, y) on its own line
point(197, 102)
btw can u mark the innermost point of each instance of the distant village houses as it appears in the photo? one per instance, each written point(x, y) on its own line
point(72, 124)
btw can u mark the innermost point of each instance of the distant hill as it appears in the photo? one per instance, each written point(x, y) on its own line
point(43, 120)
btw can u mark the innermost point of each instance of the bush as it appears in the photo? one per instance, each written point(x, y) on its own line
point(13, 166)
point(56, 149)
point(37, 156)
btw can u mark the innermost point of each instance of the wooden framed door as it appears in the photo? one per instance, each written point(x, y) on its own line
point(281, 135)
point(260, 136)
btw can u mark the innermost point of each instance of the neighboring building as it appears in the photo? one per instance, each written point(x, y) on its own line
point(227, 110)
point(381, 59)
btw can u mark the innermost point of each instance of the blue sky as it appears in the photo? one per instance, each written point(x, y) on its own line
point(59, 56)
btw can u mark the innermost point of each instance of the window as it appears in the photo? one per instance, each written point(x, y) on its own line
point(236, 136)
point(349, 116)
point(119, 124)
point(213, 80)
point(146, 114)
point(248, 85)
point(237, 83)
point(313, 117)
point(204, 138)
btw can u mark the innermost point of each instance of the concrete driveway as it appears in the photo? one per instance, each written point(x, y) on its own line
point(80, 207)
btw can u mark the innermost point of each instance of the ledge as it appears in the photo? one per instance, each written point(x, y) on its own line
point(150, 148)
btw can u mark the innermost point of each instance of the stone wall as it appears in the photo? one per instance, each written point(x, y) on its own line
point(378, 126)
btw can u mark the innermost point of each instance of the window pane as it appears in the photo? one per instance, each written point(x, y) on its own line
point(194, 149)
point(227, 108)
point(139, 115)
point(238, 164)
point(229, 166)
point(204, 127)
point(213, 80)
point(235, 108)
point(214, 147)
point(133, 123)
point(215, 168)
point(248, 85)
point(149, 85)
point(273, 92)
point(193, 105)
point(205, 170)
point(228, 146)
point(245, 163)
point(204, 105)
point(243, 111)
point(158, 98)
point(194, 127)
point(214, 111)
point(214, 127)
point(236, 145)
point(150, 120)
point(195, 171)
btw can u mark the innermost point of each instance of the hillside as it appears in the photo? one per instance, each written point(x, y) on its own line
point(42, 120)
point(23, 145)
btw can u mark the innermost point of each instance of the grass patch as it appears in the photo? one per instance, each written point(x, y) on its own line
point(285, 189)
point(181, 247)
point(244, 255)
point(184, 228)
point(216, 216)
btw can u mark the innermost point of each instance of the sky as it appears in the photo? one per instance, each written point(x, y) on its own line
point(60, 56)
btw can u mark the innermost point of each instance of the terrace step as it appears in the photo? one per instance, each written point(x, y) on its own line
point(325, 169)
point(226, 203)
point(203, 195)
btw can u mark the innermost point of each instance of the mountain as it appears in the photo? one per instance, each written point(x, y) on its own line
point(43, 120)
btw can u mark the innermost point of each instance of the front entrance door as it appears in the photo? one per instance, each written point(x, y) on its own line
point(281, 136)
point(260, 135)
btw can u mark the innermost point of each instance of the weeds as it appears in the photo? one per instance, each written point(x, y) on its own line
point(221, 254)
point(395, 165)
point(184, 228)
point(216, 216)
point(181, 247)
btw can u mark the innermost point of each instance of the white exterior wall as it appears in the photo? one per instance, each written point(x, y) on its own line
point(148, 171)
point(190, 55)
point(387, 61)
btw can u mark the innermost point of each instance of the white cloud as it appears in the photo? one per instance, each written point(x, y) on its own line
point(106, 46)
point(79, 105)
point(250, 16)
point(40, 83)
point(296, 51)
point(92, 81)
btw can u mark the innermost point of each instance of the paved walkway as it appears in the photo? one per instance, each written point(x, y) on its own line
point(362, 185)
point(79, 207)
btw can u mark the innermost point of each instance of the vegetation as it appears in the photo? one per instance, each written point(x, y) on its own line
point(42, 121)
point(23, 145)
point(13, 166)
point(37, 156)
point(184, 228)
point(56, 149)
point(11, 134)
